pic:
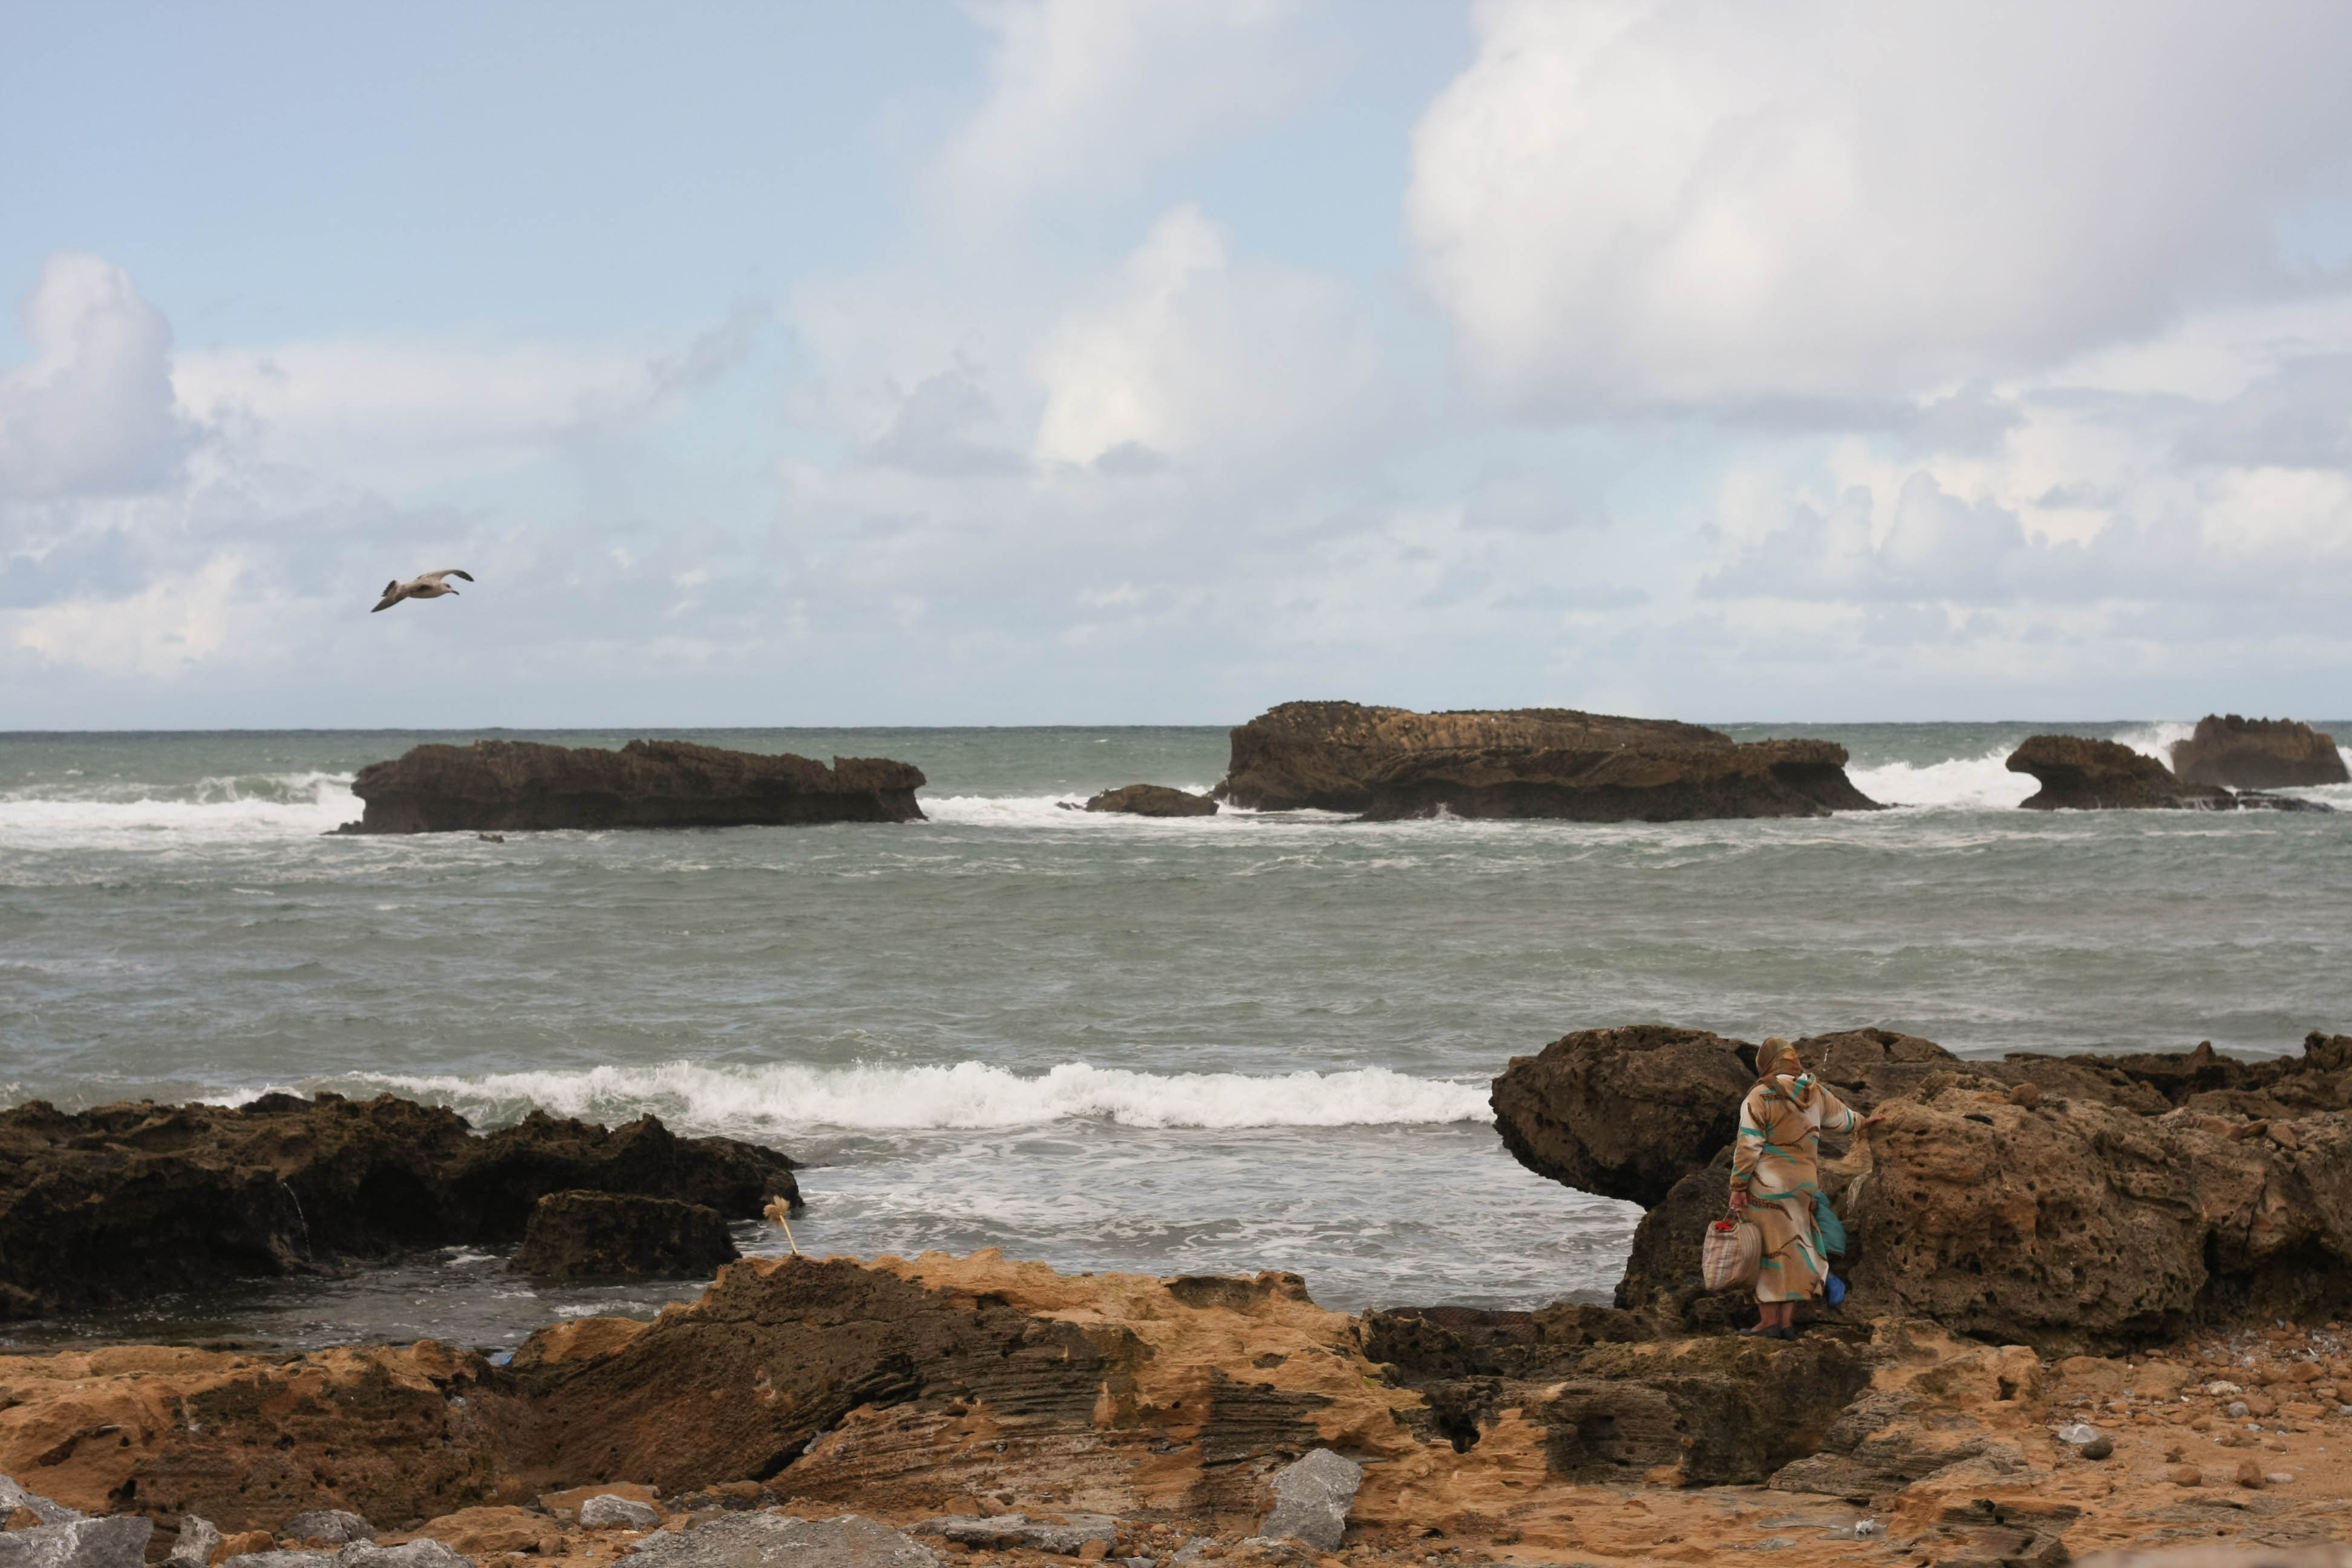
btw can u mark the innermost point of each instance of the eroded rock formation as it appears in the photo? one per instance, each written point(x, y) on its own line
point(1153, 800)
point(2258, 753)
point(505, 785)
point(1389, 762)
point(2064, 1202)
point(107, 1206)
point(622, 1236)
point(2078, 774)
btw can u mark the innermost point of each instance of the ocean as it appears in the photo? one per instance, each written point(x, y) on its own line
point(1244, 1042)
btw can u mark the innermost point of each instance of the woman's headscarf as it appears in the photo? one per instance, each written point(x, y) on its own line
point(1776, 1057)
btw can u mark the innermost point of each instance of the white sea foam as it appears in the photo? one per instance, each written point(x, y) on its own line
point(123, 816)
point(2156, 739)
point(969, 1094)
point(1045, 811)
point(1963, 783)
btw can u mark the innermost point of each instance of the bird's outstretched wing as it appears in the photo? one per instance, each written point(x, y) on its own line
point(391, 595)
point(446, 572)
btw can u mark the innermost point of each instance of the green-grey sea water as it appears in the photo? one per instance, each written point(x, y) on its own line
point(1237, 1043)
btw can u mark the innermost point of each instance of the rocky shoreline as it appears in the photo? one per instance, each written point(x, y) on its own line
point(2097, 1301)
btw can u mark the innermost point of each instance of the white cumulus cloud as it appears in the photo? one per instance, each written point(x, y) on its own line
point(1631, 201)
point(93, 413)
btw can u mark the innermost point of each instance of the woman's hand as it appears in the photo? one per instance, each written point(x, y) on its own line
point(1870, 1121)
point(1739, 1202)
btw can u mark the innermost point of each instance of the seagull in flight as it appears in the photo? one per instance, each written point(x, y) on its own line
point(428, 586)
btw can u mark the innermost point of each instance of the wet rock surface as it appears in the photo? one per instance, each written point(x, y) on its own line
point(112, 1205)
point(1623, 1113)
point(622, 1236)
point(511, 785)
point(2258, 754)
point(1153, 800)
point(2078, 774)
point(1389, 763)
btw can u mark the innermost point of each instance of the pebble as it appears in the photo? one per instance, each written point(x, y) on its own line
point(2184, 1475)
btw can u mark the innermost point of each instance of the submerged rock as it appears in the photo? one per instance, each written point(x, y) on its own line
point(622, 1236)
point(2258, 754)
point(127, 1202)
point(2078, 773)
point(1153, 800)
point(1389, 762)
point(523, 784)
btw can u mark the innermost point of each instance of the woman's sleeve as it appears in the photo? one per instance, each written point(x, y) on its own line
point(1747, 1145)
point(1837, 1116)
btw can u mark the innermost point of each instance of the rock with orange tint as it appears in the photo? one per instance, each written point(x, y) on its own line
point(486, 1530)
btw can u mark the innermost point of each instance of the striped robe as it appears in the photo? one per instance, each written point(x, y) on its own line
point(1777, 1162)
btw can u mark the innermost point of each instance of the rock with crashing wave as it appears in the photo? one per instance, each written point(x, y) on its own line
point(509, 785)
point(1389, 763)
point(2078, 773)
point(1153, 800)
point(106, 1207)
point(2258, 754)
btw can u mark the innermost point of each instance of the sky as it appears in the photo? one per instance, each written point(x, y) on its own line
point(1155, 360)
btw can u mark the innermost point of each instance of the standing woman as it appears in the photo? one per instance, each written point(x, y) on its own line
point(1775, 1180)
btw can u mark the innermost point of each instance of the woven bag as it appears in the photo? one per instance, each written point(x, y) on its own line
point(1730, 1253)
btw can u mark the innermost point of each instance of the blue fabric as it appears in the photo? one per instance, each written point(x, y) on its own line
point(1832, 1229)
point(1835, 1288)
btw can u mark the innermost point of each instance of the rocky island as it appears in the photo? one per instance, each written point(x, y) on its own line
point(507, 785)
point(2258, 753)
point(1391, 763)
point(2078, 773)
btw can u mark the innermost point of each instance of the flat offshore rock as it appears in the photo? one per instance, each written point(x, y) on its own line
point(511, 785)
point(780, 1540)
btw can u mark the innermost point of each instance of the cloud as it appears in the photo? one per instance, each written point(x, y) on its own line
point(1633, 203)
point(1082, 94)
point(1182, 355)
point(936, 430)
point(93, 413)
point(175, 622)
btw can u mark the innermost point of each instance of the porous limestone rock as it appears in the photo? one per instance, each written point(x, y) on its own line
point(334, 1526)
point(119, 1541)
point(1389, 763)
point(781, 1541)
point(2078, 774)
point(1153, 800)
point(14, 1496)
point(194, 1546)
point(1312, 1499)
point(622, 1236)
point(2258, 754)
point(104, 1208)
point(611, 1510)
point(1623, 1113)
point(509, 785)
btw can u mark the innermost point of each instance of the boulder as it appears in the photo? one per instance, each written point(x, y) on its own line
point(622, 1236)
point(2081, 774)
point(1623, 1113)
point(772, 1539)
point(103, 1208)
point(523, 784)
point(2070, 1224)
point(194, 1544)
point(1312, 1497)
point(119, 1541)
point(486, 1532)
point(421, 1552)
point(2258, 754)
point(1389, 763)
point(1153, 800)
point(14, 1496)
point(611, 1510)
point(333, 1526)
